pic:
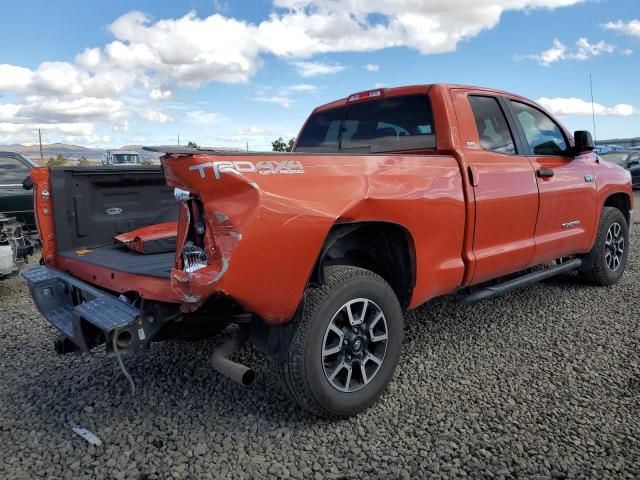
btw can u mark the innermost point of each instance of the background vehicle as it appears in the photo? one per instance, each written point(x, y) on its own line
point(18, 234)
point(600, 149)
point(629, 159)
point(391, 198)
point(121, 157)
point(15, 201)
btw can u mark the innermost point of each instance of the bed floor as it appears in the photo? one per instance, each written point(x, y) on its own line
point(121, 259)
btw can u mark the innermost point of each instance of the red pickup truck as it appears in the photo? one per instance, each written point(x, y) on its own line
point(391, 198)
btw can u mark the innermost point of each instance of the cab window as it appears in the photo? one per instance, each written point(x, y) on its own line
point(544, 136)
point(492, 125)
point(390, 124)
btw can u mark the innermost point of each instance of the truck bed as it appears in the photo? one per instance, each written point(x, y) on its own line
point(121, 259)
point(93, 205)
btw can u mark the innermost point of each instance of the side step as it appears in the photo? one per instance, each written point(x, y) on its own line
point(513, 284)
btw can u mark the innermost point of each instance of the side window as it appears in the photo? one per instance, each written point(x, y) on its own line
point(544, 136)
point(12, 170)
point(492, 125)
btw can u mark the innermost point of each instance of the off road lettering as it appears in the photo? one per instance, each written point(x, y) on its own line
point(272, 167)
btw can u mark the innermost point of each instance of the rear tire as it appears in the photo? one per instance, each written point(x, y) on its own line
point(610, 252)
point(347, 344)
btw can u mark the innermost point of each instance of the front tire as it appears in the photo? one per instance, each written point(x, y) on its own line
point(610, 252)
point(347, 344)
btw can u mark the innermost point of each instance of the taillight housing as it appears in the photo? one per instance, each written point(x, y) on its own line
point(193, 258)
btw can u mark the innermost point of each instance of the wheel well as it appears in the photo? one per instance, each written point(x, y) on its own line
point(384, 248)
point(622, 202)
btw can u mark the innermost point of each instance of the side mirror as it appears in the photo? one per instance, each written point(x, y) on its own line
point(27, 183)
point(584, 141)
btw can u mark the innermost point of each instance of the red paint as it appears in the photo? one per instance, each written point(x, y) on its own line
point(472, 215)
point(135, 239)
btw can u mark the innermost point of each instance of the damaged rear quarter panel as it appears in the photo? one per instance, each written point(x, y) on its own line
point(267, 229)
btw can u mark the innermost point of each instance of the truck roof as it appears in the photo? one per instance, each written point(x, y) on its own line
point(408, 90)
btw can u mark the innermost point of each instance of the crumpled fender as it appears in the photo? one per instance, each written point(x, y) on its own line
point(267, 217)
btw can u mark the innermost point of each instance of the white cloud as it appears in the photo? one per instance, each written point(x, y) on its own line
point(192, 51)
point(626, 52)
point(158, 94)
point(257, 137)
point(584, 50)
point(154, 116)
point(43, 110)
point(204, 118)
point(281, 100)
point(149, 58)
point(302, 87)
point(312, 69)
point(89, 58)
point(252, 131)
point(577, 106)
point(14, 78)
point(631, 28)
point(372, 67)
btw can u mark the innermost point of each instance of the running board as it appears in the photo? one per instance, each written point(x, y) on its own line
point(528, 279)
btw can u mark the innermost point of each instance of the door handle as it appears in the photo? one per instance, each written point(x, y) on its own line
point(545, 173)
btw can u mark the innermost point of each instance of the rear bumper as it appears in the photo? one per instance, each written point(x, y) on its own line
point(83, 314)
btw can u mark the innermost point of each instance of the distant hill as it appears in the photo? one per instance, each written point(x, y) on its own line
point(74, 152)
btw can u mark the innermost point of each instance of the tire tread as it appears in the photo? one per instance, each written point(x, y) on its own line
point(292, 369)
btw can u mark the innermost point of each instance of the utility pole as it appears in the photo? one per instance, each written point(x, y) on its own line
point(178, 139)
point(593, 112)
point(40, 140)
point(247, 146)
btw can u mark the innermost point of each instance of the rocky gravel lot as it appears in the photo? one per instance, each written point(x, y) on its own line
point(543, 383)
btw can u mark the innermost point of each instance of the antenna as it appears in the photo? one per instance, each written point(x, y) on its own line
point(40, 141)
point(593, 112)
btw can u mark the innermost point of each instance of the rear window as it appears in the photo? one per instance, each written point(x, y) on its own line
point(386, 125)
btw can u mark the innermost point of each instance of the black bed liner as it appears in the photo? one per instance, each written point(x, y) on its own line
point(121, 259)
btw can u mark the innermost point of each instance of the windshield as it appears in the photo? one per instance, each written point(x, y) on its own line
point(385, 125)
point(616, 157)
point(123, 158)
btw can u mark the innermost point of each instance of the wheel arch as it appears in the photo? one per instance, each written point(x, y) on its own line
point(622, 202)
point(385, 248)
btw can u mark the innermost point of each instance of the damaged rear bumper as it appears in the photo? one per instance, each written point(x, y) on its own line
point(84, 315)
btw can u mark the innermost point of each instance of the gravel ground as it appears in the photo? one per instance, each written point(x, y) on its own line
point(543, 383)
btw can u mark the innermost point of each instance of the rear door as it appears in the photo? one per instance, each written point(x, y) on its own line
point(504, 185)
point(568, 200)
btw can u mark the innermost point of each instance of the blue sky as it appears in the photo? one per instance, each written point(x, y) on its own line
point(226, 73)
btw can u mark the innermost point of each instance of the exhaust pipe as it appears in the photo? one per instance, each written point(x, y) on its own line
point(235, 371)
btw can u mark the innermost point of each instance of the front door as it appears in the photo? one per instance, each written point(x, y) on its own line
point(568, 199)
point(504, 186)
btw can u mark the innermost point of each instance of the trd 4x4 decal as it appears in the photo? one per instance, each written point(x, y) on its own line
point(271, 167)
